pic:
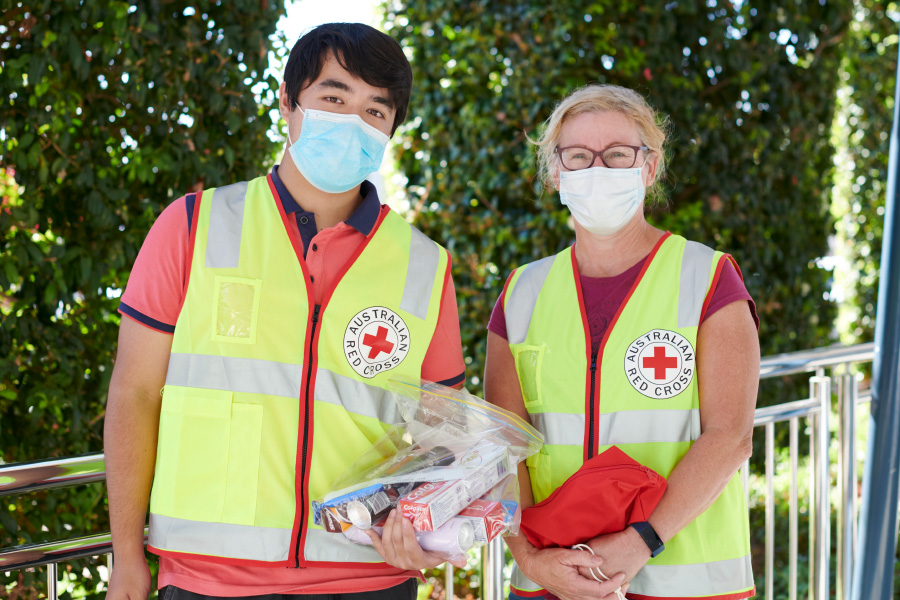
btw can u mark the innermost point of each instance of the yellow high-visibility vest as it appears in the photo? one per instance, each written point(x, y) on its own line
point(269, 396)
point(638, 393)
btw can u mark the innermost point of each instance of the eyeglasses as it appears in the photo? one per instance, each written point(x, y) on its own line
point(576, 158)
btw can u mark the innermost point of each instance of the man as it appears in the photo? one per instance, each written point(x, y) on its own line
point(262, 323)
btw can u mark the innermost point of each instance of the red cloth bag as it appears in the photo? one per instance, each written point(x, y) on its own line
point(605, 495)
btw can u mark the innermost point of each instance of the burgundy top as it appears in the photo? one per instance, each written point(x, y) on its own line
point(604, 295)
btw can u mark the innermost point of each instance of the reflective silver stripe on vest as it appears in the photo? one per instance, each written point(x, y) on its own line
point(223, 244)
point(560, 429)
point(424, 258)
point(220, 539)
point(523, 298)
point(522, 583)
point(623, 427)
point(703, 579)
point(356, 397)
point(248, 375)
point(695, 266)
point(334, 547)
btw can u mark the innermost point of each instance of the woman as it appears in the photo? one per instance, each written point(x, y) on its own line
point(636, 338)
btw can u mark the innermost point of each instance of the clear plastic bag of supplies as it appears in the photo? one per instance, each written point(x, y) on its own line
point(495, 513)
point(453, 454)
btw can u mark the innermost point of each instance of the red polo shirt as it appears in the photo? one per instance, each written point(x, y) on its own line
point(154, 296)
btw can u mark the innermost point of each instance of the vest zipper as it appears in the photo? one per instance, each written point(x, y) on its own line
point(303, 518)
point(592, 410)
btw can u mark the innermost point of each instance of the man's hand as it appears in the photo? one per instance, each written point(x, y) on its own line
point(130, 580)
point(400, 548)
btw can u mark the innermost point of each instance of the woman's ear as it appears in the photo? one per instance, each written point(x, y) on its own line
point(554, 173)
point(650, 175)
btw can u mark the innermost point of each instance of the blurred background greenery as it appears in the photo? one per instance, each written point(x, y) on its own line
point(780, 120)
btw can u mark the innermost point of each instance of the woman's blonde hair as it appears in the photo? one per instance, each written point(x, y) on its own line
point(650, 124)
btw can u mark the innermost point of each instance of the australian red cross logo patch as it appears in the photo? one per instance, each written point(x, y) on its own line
point(660, 364)
point(376, 340)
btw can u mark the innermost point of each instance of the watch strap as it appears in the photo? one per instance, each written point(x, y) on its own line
point(650, 537)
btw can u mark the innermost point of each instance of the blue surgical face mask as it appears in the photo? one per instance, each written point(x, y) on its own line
point(336, 152)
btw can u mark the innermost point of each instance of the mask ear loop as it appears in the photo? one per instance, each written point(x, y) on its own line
point(619, 593)
point(302, 112)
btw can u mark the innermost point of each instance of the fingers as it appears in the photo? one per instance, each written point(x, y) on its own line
point(582, 589)
point(378, 544)
point(399, 547)
point(614, 588)
point(578, 558)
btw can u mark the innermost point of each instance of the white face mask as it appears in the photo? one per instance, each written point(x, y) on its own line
point(602, 200)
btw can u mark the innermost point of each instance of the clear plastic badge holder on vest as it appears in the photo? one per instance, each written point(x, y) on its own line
point(449, 467)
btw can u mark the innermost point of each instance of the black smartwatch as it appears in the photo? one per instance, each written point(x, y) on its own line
point(648, 534)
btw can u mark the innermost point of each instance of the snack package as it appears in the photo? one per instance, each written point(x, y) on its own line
point(453, 449)
point(360, 508)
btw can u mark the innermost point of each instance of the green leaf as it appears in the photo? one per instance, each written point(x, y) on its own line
point(50, 295)
point(12, 274)
point(49, 38)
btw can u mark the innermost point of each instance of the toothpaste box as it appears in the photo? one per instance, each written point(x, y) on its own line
point(488, 519)
point(432, 504)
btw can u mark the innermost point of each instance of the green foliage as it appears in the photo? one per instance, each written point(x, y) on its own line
point(861, 137)
point(749, 88)
point(111, 109)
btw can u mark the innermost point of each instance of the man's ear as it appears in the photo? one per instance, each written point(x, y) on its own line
point(284, 102)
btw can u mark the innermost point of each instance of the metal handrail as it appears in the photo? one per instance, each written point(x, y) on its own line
point(37, 555)
point(41, 474)
point(37, 475)
point(804, 361)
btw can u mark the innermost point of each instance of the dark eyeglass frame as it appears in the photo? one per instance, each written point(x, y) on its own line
point(599, 153)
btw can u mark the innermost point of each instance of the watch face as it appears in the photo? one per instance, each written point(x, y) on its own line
point(648, 534)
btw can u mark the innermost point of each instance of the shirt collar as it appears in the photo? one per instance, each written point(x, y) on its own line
point(363, 218)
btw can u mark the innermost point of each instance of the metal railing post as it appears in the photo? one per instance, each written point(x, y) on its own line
point(847, 523)
point(812, 470)
point(792, 510)
point(448, 581)
point(492, 570)
point(52, 590)
point(770, 510)
point(820, 388)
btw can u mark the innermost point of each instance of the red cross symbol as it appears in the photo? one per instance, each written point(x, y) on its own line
point(378, 343)
point(659, 362)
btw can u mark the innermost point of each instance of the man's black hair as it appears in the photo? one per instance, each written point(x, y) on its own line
point(363, 51)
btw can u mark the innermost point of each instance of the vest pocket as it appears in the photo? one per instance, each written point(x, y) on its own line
point(242, 480)
point(236, 309)
point(528, 367)
point(540, 473)
point(192, 455)
point(207, 461)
